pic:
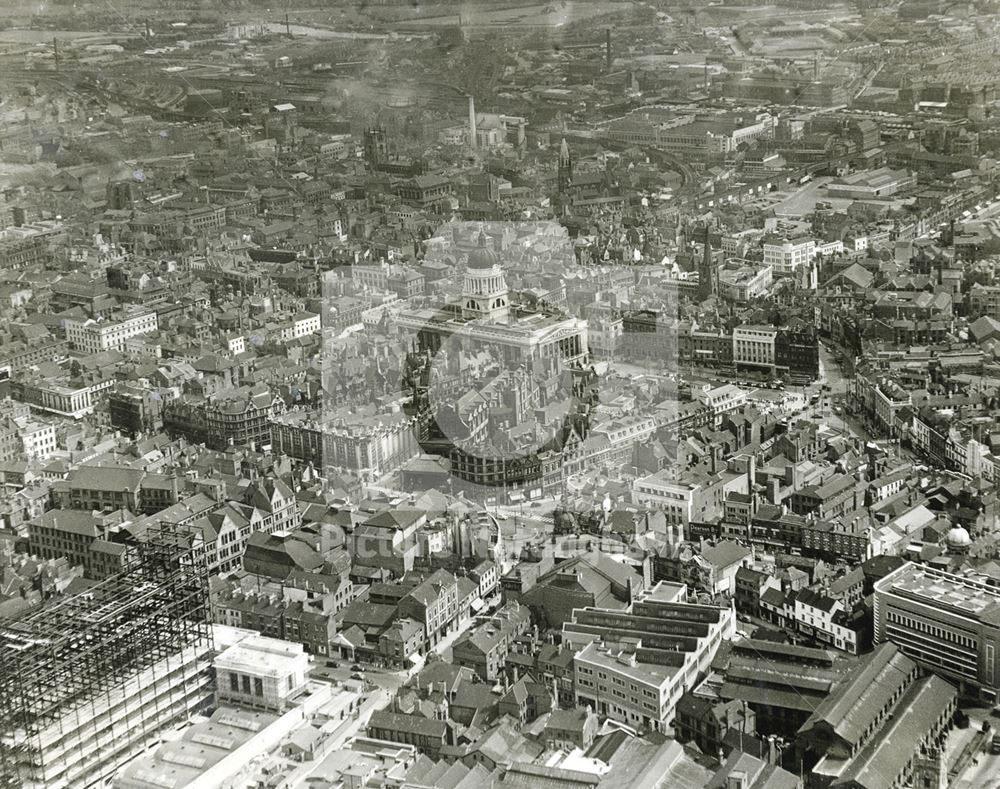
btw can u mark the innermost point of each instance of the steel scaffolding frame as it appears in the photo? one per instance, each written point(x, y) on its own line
point(59, 658)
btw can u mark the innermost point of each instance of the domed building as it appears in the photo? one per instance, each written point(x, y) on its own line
point(485, 318)
point(485, 292)
point(525, 336)
point(958, 540)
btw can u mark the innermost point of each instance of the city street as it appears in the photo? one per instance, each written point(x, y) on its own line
point(983, 772)
point(355, 724)
point(831, 371)
point(443, 647)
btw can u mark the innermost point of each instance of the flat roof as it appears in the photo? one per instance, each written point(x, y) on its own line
point(666, 592)
point(262, 656)
point(650, 673)
point(945, 589)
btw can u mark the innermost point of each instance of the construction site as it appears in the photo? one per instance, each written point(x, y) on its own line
point(90, 681)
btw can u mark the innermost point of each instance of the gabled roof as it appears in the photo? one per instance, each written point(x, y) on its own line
point(725, 554)
point(395, 518)
point(882, 761)
point(109, 478)
point(860, 698)
point(984, 328)
point(71, 522)
point(855, 274)
point(412, 724)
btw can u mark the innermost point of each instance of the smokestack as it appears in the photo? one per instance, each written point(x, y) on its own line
point(288, 27)
point(55, 52)
point(472, 122)
point(607, 47)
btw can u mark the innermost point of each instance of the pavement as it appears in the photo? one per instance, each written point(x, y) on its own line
point(831, 371)
point(389, 681)
point(982, 774)
point(983, 770)
point(443, 647)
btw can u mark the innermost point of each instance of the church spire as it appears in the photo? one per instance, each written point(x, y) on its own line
point(707, 271)
point(565, 174)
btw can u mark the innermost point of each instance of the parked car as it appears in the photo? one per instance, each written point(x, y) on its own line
point(995, 744)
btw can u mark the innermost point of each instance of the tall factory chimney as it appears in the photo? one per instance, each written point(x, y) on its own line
point(607, 47)
point(472, 121)
point(55, 52)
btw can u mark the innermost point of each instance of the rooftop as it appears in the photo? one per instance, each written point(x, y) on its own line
point(650, 673)
point(940, 589)
point(262, 656)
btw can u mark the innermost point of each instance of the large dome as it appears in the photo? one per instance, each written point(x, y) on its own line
point(958, 537)
point(482, 257)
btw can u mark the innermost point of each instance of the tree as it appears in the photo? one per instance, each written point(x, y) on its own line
point(564, 522)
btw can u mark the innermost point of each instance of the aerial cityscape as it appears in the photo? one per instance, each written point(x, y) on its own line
point(508, 395)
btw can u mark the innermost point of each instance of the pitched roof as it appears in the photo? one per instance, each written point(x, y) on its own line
point(411, 724)
point(881, 763)
point(395, 518)
point(70, 521)
point(109, 478)
point(725, 554)
point(860, 698)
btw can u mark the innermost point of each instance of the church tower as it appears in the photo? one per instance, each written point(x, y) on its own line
point(484, 296)
point(565, 176)
point(376, 147)
point(930, 769)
